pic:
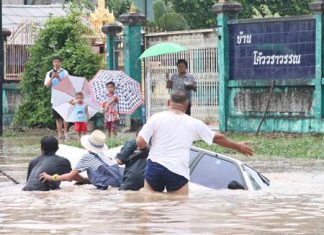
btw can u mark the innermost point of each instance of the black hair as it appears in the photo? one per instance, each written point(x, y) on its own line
point(56, 58)
point(179, 97)
point(110, 83)
point(183, 61)
point(79, 93)
point(49, 145)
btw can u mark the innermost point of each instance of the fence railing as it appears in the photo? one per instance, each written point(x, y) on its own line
point(202, 64)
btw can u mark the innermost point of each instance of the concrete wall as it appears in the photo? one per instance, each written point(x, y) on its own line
point(292, 107)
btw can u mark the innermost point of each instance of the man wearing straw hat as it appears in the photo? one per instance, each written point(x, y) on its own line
point(101, 173)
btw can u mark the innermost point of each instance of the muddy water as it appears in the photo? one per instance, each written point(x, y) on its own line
point(293, 205)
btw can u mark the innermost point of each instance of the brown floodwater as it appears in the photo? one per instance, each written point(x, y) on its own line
point(294, 204)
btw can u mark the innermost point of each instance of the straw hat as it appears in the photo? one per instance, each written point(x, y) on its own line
point(95, 142)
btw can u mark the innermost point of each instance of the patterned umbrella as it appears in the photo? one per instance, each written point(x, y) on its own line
point(127, 89)
point(65, 91)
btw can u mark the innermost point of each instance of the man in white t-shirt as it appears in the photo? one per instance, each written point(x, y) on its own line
point(171, 134)
point(52, 79)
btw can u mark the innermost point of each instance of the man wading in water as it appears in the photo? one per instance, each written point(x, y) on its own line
point(172, 133)
point(48, 162)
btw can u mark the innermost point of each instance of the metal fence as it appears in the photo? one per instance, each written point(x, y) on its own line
point(24, 36)
point(202, 64)
point(17, 49)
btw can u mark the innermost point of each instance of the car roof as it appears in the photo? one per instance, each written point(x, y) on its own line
point(218, 154)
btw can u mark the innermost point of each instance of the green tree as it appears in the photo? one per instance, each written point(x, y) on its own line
point(62, 36)
point(265, 13)
point(165, 18)
point(198, 13)
point(119, 6)
point(279, 7)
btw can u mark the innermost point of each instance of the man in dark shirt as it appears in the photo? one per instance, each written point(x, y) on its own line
point(135, 163)
point(47, 162)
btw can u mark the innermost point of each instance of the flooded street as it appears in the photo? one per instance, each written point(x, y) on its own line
point(294, 204)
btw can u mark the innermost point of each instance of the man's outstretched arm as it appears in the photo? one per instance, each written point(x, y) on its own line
point(241, 147)
point(73, 175)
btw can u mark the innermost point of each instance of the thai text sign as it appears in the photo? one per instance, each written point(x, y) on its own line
point(272, 50)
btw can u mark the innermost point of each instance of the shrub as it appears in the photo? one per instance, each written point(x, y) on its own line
point(62, 36)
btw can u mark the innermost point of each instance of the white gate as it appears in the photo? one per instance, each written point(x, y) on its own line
point(202, 64)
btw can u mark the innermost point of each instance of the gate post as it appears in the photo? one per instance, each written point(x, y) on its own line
point(225, 11)
point(3, 37)
point(111, 30)
point(318, 7)
point(132, 50)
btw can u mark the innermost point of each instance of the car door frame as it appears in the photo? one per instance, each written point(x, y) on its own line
point(201, 154)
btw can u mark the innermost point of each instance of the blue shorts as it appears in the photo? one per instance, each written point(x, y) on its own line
point(159, 178)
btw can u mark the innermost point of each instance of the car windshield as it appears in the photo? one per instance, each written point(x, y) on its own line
point(214, 172)
point(193, 154)
point(256, 178)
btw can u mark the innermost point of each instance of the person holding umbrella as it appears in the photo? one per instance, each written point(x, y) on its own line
point(111, 110)
point(183, 81)
point(52, 79)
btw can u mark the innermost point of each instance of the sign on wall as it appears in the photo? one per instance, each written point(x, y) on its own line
point(272, 50)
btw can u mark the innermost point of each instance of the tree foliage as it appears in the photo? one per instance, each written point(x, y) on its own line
point(279, 7)
point(62, 36)
point(119, 6)
point(199, 14)
point(165, 17)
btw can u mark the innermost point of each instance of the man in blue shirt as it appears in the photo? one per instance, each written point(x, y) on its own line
point(52, 79)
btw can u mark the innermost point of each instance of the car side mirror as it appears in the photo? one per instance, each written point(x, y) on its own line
point(235, 185)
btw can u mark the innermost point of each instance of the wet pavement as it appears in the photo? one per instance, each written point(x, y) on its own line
point(294, 204)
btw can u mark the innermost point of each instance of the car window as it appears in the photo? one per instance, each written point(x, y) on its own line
point(193, 154)
point(255, 178)
point(216, 173)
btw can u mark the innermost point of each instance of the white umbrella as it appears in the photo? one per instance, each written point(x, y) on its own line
point(66, 90)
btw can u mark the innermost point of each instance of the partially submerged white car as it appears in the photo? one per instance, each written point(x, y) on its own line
point(219, 171)
point(208, 169)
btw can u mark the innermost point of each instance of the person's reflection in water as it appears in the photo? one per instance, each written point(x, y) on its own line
point(48, 162)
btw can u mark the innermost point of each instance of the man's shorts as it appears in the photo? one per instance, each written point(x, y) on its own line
point(80, 127)
point(159, 177)
point(56, 115)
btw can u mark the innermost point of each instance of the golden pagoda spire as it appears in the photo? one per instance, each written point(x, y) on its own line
point(101, 16)
point(132, 8)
